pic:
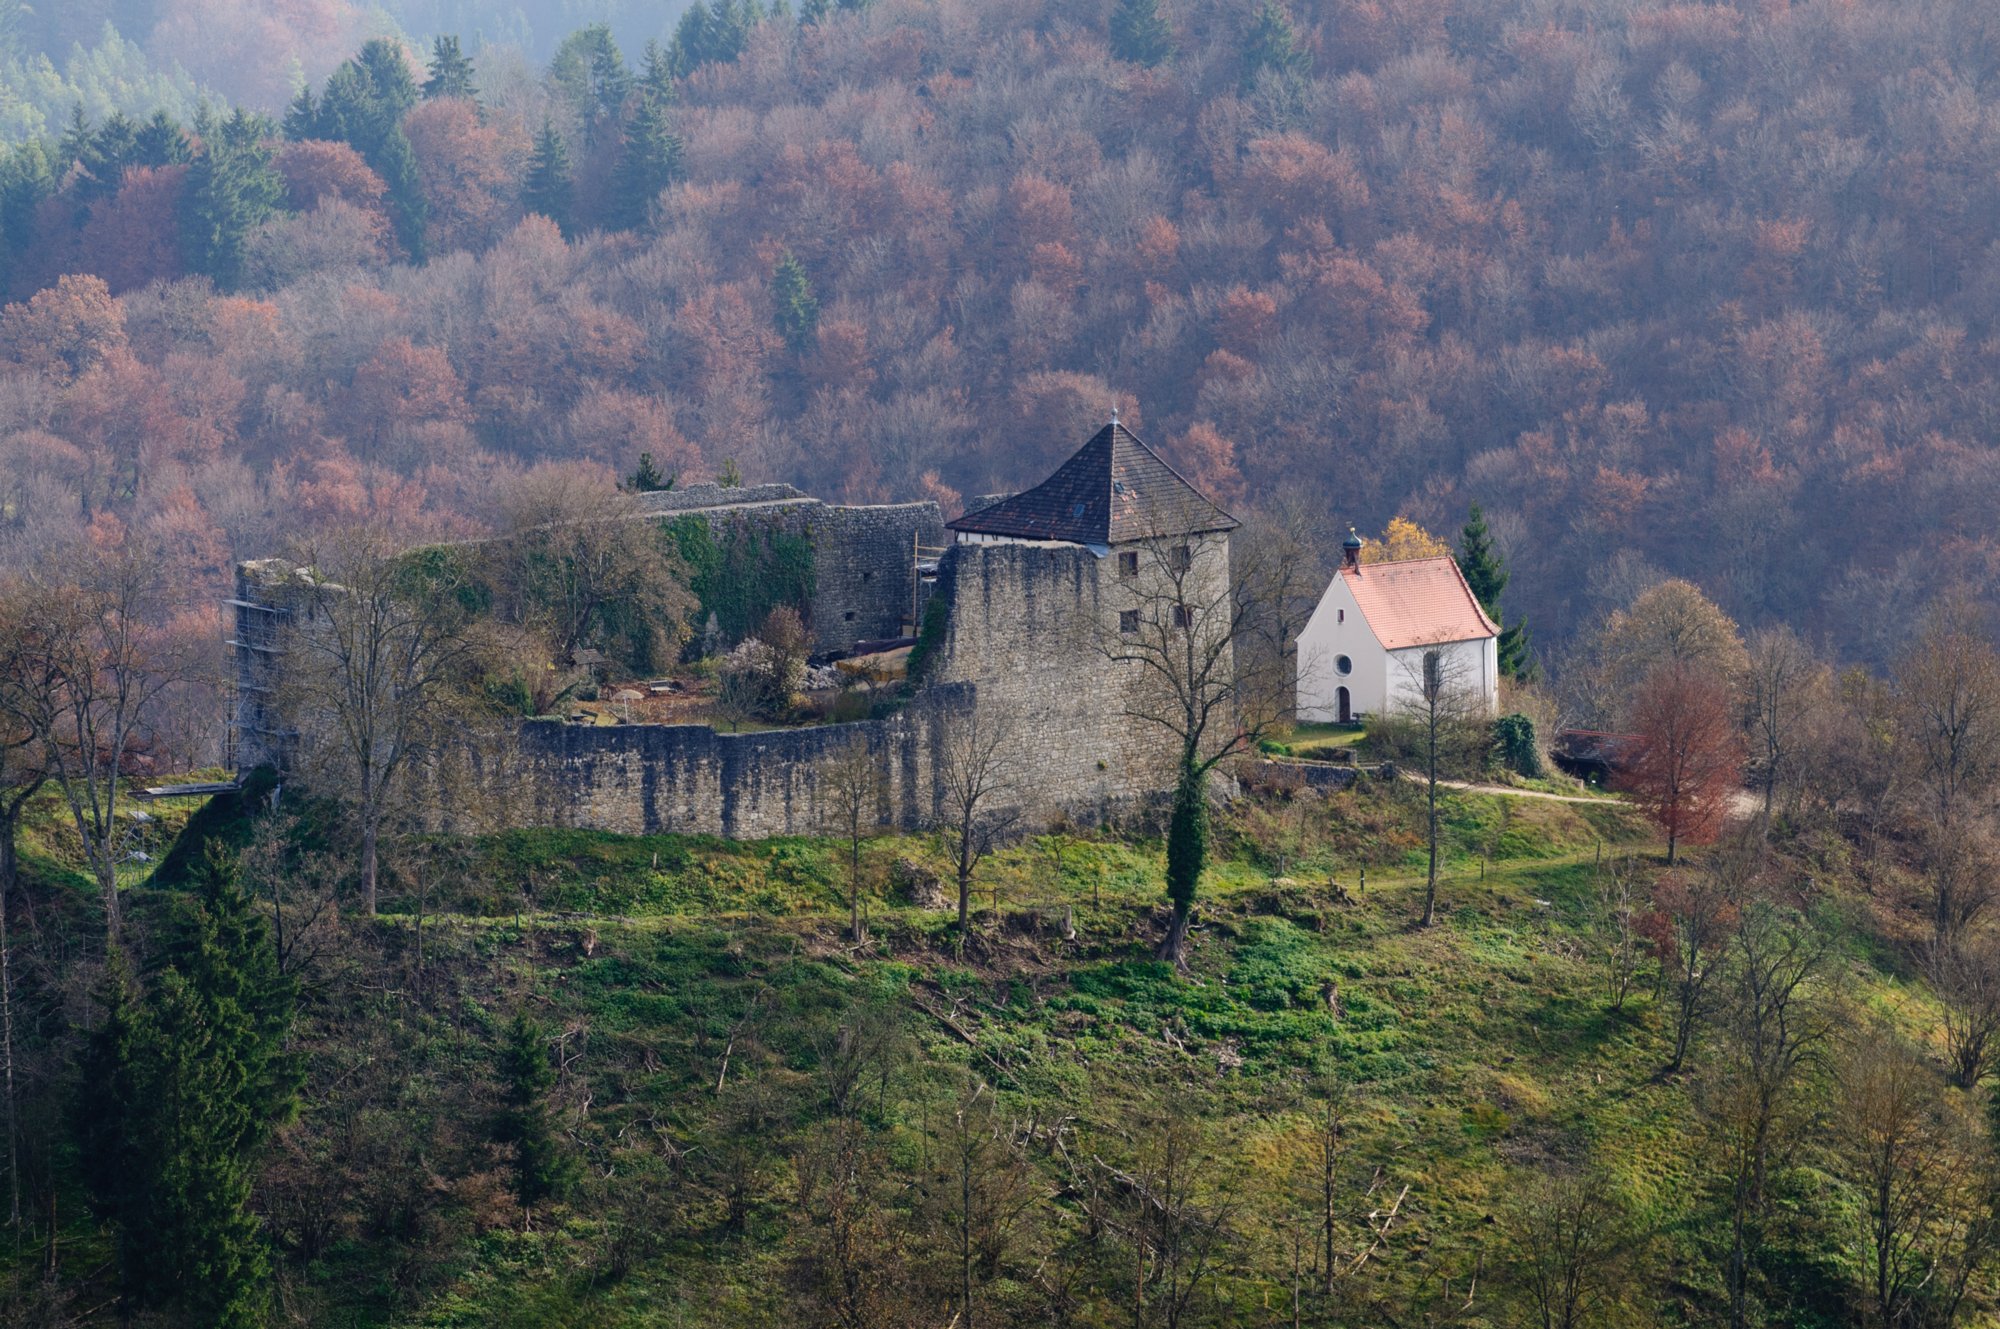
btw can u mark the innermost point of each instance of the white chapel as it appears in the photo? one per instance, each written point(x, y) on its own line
point(1361, 653)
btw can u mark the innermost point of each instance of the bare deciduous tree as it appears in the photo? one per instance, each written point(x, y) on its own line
point(101, 658)
point(578, 563)
point(1176, 1217)
point(1947, 690)
point(1568, 1238)
point(983, 1194)
point(1782, 686)
point(1693, 917)
point(1918, 1161)
point(978, 781)
point(1618, 915)
point(853, 807)
point(1774, 1019)
point(1964, 972)
point(1443, 714)
point(375, 674)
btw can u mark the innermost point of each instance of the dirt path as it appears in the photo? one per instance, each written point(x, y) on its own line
point(1509, 791)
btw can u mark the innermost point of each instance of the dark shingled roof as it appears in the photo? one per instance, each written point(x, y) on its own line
point(1114, 491)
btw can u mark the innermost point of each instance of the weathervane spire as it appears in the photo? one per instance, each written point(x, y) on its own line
point(1114, 412)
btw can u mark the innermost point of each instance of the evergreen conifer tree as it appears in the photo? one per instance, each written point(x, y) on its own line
point(302, 116)
point(231, 190)
point(1140, 33)
point(794, 306)
point(161, 142)
point(716, 33)
point(363, 106)
point(396, 162)
point(589, 72)
point(391, 87)
point(1273, 45)
point(647, 479)
point(110, 150)
point(1486, 573)
point(184, 1087)
point(74, 144)
point(651, 158)
point(543, 1169)
point(451, 73)
point(548, 188)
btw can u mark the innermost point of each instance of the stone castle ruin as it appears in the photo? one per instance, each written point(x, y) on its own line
point(1014, 611)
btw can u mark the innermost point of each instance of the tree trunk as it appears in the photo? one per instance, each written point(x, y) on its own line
point(9, 868)
point(854, 892)
point(1187, 856)
point(368, 864)
point(107, 886)
point(1431, 877)
point(964, 1229)
point(964, 890)
point(1173, 947)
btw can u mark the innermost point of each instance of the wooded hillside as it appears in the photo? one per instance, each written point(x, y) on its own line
point(1690, 289)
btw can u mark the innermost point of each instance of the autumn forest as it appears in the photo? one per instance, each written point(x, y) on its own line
point(1700, 290)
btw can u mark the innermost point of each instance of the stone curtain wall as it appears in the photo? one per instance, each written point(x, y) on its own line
point(690, 779)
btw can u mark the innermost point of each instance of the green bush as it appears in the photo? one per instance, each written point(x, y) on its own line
point(1514, 737)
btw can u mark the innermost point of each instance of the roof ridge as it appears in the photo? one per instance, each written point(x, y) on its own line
point(1172, 470)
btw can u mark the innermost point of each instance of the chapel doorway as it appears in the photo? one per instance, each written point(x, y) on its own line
point(1346, 707)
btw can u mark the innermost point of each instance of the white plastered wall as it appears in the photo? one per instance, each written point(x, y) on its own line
point(1378, 681)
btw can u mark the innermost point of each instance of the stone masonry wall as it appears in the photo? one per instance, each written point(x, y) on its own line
point(690, 779)
point(864, 568)
point(1026, 629)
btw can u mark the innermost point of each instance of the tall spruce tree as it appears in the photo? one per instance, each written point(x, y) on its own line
point(302, 116)
point(543, 1169)
point(548, 189)
point(1272, 44)
point(716, 33)
point(183, 1086)
point(651, 157)
point(231, 190)
point(589, 72)
point(1141, 34)
point(1486, 573)
point(451, 73)
point(161, 142)
point(363, 106)
point(794, 307)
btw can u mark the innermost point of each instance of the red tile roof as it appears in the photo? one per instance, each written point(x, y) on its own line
point(1418, 602)
point(1113, 491)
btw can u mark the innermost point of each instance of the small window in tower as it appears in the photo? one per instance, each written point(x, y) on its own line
point(1340, 615)
point(1128, 564)
point(867, 577)
point(849, 616)
point(1181, 558)
point(1128, 621)
point(1181, 616)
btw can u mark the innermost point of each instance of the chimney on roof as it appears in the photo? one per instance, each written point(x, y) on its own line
point(1350, 551)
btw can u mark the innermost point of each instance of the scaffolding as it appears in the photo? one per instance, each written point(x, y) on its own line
point(924, 561)
point(256, 643)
